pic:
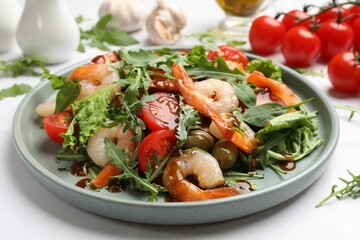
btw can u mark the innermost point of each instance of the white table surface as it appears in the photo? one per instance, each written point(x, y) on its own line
point(29, 211)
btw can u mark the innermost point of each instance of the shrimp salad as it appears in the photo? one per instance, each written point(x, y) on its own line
point(191, 124)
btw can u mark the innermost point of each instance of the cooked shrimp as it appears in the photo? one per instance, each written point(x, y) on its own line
point(46, 109)
point(204, 167)
point(195, 99)
point(219, 95)
point(92, 76)
point(96, 145)
point(277, 88)
point(95, 75)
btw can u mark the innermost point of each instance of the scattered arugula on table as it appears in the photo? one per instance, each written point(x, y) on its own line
point(310, 72)
point(99, 35)
point(351, 189)
point(210, 36)
point(24, 65)
point(15, 90)
point(349, 108)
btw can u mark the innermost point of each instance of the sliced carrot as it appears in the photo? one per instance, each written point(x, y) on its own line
point(102, 179)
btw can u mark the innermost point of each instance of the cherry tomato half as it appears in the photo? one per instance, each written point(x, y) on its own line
point(266, 35)
point(289, 20)
point(163, 113)
point(229, 53)
point(57, 123)
point(300, 47)
point(344, 73)
point(161, 142)
point(335, 37)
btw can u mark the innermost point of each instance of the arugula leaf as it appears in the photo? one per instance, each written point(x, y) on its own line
point(23, 66)
point(67, 95)
point(290, 136)
point(188, 120)
point(245, 94)
point(129, 169)
point(57, 82)
point(15, 90)
point(351, 189)
point(98, 35)
point(267, 67)
point(260, 115)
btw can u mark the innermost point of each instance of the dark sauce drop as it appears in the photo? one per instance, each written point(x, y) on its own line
point(83, 182)
point(245, 186)
point(116, 185)
point(80, 169)
point(287, 165)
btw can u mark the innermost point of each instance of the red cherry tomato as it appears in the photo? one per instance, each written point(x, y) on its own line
point(229, 53)
point(163, 113)
point(266, 35)
point(291, 17)
point(356, 29)
point(335, 37)
point(333, 13)
point(57, 123)
point(354, 13)
point(344, 73)
point(161, 142)
point(300, 47)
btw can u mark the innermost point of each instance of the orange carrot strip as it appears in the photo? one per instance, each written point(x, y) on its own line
point(102, 179)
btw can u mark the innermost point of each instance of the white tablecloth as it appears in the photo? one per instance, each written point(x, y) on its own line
point(29, 211)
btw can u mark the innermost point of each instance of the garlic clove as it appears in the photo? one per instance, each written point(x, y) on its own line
point(127, 15)
point(165, 23)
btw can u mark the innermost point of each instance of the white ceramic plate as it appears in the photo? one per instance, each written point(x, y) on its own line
point(38, 154)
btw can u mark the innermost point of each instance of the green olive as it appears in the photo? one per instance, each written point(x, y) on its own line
point(200, 139)
point(225, 153)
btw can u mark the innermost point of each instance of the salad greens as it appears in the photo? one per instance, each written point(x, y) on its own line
point(24, 65)
point(283, 135)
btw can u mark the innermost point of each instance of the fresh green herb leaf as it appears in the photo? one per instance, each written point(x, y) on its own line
point(260, 115)
point(23, 66)
point(99, 35)
point(188, 120)
point(91, 114)
point(290, 136)
point(67, 95)
point(210, 36)
point(57, 82)
point(349, 108)
point(351, 189)
point(129, 170)
point(267, 67)
point(15, 90)
point(245, 94)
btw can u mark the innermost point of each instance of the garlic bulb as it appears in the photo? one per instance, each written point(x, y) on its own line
point(165, 23)
point(128, 15)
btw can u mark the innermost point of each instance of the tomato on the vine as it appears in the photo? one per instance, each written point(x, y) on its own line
point(356, 29)
point(300, 47)
point(354, 13)
point(290, 18)
point(160, 142)
point(163, 113)
point(332, 13)
point(229, 53)
point(56, 124)
point(344, 72)
point(266, 35)
point(335, 37)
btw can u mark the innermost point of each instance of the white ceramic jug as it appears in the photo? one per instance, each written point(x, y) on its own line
point(46, 29)
point(10, 12)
